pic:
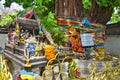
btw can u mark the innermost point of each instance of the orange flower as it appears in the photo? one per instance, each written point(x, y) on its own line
point(49, 52)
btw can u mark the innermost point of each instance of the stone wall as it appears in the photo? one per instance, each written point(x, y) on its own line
point(3, 40)
point(112, 44)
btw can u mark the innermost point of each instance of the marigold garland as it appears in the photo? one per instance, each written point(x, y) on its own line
point(49, 52)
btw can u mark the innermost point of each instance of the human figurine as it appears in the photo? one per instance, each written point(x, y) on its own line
point(17, 30)
point(12, 38)
point(67, 40)
point(21, 33)
point(27, 35)
point(31, 48)
point(37, 48)
point(32, 39)
point(21, 38)
point(76, 42)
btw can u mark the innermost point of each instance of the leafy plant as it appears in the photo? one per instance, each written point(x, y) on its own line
point(86, 4)
point(115, 16)
point(111, 3)
point(45, 12)
point(7, 19)
point(25, 3)
point(50, 24)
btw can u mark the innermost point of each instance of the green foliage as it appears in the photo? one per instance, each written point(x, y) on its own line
point(115, 16)
point(106, 3)
point(26, 3)
point(8, 3)
point(50, 24)
point(44, 7)
point(22, 13)
point(45, 11)
point(39, 2)
point(103, 3)
point(7, 18)
point(86, 4)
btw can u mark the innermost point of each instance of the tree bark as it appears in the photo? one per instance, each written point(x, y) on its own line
point(65, 8)
point(59, 7)
point(70, 8)
point(74, 8)
point(99, 14)
point(80, 11)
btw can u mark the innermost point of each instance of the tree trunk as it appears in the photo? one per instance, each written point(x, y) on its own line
point(59, 7)
point(70, 8)
point(74, 8)
point(65, 8)
point(81, 12)
point(99, 14)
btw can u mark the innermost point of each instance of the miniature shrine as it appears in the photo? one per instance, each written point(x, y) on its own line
point(31, 46)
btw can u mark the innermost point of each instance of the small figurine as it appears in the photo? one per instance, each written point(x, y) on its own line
point(75, 41)
point(12, 38)
point(86, 22)
point(37, 48)
point(17, 30)
point(32, 39)
point(67, 40)
point(31, 47)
